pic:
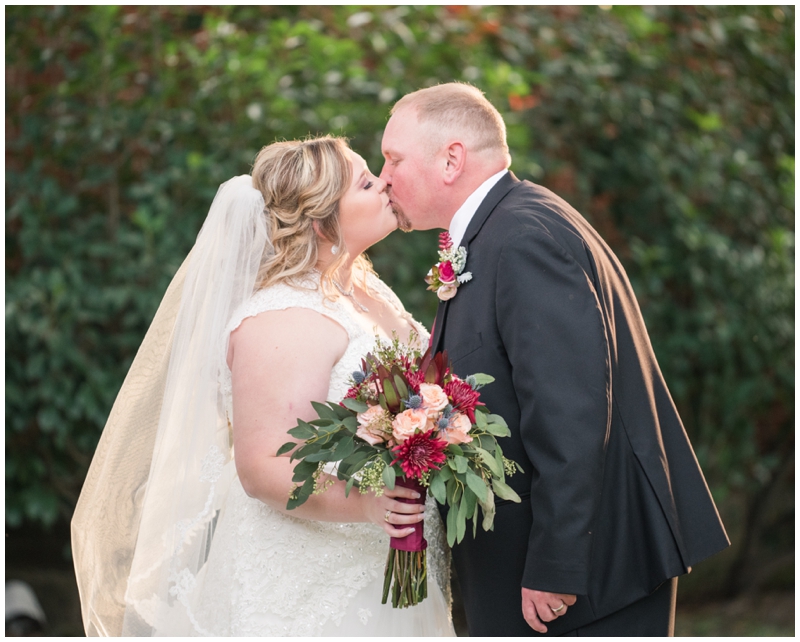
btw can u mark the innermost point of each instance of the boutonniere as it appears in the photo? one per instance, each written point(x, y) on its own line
point(445, 277)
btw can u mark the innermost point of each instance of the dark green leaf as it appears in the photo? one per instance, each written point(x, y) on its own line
point(324, 411)
point(355, 406)
point(289, 445)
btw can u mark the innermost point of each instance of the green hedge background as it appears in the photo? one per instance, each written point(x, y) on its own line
point(670, 128)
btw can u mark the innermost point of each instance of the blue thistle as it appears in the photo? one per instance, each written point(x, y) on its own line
point(359, 377)
point(473, 383)
point(447, 411)
point(443, 423)
point(414, 401)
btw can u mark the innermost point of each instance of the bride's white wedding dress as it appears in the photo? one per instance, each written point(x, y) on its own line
point(270, 574)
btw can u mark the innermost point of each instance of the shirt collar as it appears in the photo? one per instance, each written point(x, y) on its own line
point(461, 219)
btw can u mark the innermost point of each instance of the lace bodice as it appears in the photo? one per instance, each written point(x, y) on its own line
point(289, 576)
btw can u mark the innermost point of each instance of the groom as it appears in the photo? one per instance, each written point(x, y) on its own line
point(614, 505)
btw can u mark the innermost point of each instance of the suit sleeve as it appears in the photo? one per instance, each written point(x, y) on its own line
point(553, 331)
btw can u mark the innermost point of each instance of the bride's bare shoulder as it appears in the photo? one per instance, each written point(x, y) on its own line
point(296, 330)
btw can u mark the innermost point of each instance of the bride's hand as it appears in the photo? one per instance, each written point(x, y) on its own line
point(395, 516)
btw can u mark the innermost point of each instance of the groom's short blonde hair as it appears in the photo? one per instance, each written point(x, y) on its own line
point(457, 110)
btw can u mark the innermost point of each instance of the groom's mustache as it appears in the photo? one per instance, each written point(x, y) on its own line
point(402, 221)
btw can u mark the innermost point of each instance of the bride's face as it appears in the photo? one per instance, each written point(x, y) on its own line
point(365, 214)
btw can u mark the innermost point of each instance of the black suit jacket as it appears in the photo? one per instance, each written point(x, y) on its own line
point(614, 502)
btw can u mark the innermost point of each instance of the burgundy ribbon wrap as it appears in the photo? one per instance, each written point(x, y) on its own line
point(415, 542)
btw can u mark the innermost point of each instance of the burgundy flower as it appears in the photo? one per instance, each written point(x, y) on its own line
point(419, 453)
point(446, 272)
point(463, 397)
point(445, 242)
point(415, 378)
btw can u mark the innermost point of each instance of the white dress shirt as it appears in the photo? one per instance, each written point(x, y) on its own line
point(465, 213)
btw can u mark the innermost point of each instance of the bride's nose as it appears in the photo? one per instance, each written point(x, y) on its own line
point(381, 184)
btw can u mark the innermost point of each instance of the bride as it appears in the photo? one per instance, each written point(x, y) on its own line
point(182, 527)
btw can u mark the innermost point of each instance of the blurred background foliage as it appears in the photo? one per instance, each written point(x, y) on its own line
point(670, 128)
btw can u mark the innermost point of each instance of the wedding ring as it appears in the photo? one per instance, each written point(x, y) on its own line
point(560, 608)
point(386, 517)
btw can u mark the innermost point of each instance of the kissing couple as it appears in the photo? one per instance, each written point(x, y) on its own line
point(182, 526)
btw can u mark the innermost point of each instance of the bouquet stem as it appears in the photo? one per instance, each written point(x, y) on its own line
point(407, 562)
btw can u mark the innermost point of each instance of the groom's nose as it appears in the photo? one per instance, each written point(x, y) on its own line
point(385, 176)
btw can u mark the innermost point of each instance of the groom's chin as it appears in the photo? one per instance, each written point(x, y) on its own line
point(403, 224)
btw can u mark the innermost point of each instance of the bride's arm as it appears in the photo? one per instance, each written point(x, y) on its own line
point(281, 361)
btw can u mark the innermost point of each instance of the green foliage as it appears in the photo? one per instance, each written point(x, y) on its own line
point(670, 128)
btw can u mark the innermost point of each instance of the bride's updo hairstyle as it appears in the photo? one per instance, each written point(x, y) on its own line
point(302, 182)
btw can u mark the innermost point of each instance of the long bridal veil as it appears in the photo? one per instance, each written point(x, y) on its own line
point(144, 522)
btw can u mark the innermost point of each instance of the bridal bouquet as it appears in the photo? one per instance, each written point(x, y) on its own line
point(407, 419)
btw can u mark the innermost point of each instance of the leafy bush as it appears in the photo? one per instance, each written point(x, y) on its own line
point(671, 129)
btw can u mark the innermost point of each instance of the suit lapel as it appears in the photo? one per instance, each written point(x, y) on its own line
point(495, 195)
point(487, 206)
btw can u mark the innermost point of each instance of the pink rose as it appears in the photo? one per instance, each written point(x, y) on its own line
point(374, 425)
point(409, 422)
point(458, 430)
point(433, 398)
point(446, 272)
point(447, 292)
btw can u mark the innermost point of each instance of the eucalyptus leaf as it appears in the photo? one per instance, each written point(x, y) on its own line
point(355, 405)
point(438, 489)
point(454, 449)
point(323, 410)
point(504, 491)
point(461, 521)
point(483, 379)
point(471, 500)
point(496, 430)
point(389, 475)
point(302, 430)
point(308, 449)
point(488, 508)
point(452, 526)
point(476, 485)
point(497, 420)
point(303, 494)
point(343, 412)
point(348, 486)
point(345, 448)
point(288, 446)
point(350, 423)
point(304, 470)
point(490, 461)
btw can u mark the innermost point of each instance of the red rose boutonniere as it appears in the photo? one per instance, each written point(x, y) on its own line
point(445, 277)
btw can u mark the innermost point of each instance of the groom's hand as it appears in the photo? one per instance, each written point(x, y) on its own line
point(539, 607)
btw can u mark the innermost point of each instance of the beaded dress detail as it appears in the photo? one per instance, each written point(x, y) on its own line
point(271, 574)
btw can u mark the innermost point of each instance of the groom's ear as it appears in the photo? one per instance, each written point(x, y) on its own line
point(454, 159)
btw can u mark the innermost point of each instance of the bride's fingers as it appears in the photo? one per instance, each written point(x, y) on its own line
point(399, 518)
point(406, 509)
point(397, 532)
point(399, 491)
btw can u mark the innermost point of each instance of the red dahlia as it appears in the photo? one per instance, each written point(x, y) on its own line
point(419, 453)
point(463, 397)
point(415, 378)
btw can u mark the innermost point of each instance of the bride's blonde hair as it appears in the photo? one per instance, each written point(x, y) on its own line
point(302, 182)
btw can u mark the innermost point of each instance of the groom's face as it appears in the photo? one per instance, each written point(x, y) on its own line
point(410, 172)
